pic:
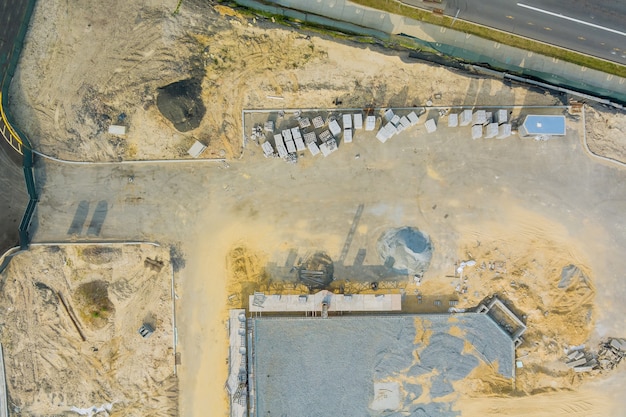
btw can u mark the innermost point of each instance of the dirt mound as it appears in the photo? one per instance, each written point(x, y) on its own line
point(94, 305)
point(99, 255)
point(407, 250)
point(181, 104)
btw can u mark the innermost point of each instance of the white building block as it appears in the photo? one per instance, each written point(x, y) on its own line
point(358, 121)
point(347, 121)
point(492, 130)
point(347, 135)
point(466, 117)
point(430, 125)
point(502, 116)
point(413, 118)
point(334, 127)
point(504, 131)
point(477, 131)
point(370, 123)
point(313, 148)
point(267, 149)
point(479, 117)
point(404, 122)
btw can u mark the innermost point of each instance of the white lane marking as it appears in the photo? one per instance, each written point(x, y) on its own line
point(582, 22)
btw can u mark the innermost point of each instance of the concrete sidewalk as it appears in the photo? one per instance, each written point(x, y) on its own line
point(464, 46)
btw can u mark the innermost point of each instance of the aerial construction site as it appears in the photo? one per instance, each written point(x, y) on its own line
point(239, 215)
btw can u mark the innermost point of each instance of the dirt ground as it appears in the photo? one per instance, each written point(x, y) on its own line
point(71, 316)
point(514, 203)
point(606, 133)
point(243, 63)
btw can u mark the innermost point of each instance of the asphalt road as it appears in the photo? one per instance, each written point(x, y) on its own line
point(13, 196)
point(11, 15)
point(596, 28)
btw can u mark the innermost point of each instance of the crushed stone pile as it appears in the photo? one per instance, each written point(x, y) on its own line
point(406, 250)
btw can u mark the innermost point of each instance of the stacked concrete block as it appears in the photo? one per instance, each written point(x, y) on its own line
point(395, 120)
point(370, 123)
point(310, 137)
point(347, 121)
point(391, 129)
point(280, 146)
point(466, 118)
point(318, 122)
point(479, 117)
point(389, 115)
point(267, 149)
point(313, 148)
point(334, 127)
point(492, 130)
point(453, 120)
point(382, 135)
point(304, 122)
point(386, 132)
point(477, 131)
point(413, 118)
point(430, 125)
point(504, 131)
point(328, 147)
point(299, 144)
point(358, 121)
point(502, 116)
point(347, 135)
point(488, 118)
point(268, 126)
point(325, 136)
point(404, 122)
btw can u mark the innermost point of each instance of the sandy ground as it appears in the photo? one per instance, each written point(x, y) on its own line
point(242, 64)
point(110, 292)
point(534, 206)
point(606, 133)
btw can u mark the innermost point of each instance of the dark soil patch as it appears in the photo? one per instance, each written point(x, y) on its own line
point(94, 306)
point(181, 104)
point(99, 255)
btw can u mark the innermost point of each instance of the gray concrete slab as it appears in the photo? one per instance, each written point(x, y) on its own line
point(331, 365)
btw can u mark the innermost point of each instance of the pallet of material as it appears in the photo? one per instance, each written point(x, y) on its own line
point(413, 118)
point(347, 121)
point(310, 137)
point(370, 123)
point(358, 121)
point(304, 122)
point(347, 135)
point(334, 127)
point(318, 122)
point(267, 149)
point(313, 148)
point(299, 144)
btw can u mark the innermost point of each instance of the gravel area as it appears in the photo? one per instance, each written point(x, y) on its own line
point(321, 367)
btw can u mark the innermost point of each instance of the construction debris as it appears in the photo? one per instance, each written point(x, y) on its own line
point(610, 354)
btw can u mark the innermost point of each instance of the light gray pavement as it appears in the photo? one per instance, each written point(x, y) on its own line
point(468, 47)
point(171, 202)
